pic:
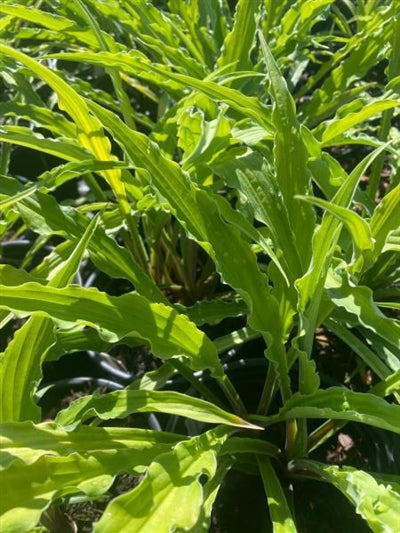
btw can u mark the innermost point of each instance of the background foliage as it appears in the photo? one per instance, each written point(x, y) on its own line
point(185, 179)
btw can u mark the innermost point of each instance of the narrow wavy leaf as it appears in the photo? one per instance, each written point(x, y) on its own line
point(358, 301)
point(171, 482)
point(279, 510)
point(385, 218)
point(340, 403)
point(338, 126)
point(43, 463)
point(378, 504)
point(20, 364)
point(89, 130)
point(168, 333)
point(120, 404)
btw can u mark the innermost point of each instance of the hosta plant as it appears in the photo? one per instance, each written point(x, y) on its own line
point(193, 177)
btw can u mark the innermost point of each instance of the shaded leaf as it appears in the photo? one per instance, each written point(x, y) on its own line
point(378, 504)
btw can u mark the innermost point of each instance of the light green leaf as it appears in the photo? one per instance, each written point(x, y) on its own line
point(120, 404)
point(358, 55)
point(199, 213)
point(310, 286)
point(58, 176)
point(340, 403)
point(89, 130)
point(65, 149)
point(138, 65)
point(281, 516)
point(239, 42)
point(210, 490)
point(17, 276)
point(45, 215)
point(337, 126)
point(171, 482)
point(202, 140)
point(51, 21)
point(389, 385)
point(290, 157)
point(169, 333)
point(385, 218)
point(20, 364)
point(358, 301)
point(326, 236)
point(358, 228)
point(252, 177)
point(27, 442)
point(20, 369)
point(42, 463)
point(378, 504)
point(40, 116)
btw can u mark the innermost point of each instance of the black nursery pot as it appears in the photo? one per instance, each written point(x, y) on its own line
point(241, 503)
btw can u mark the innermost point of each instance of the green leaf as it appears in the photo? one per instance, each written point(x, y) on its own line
point(210, 489)
point(65, 149)
point(120, 404)
point(44, 214)
point(358, 228)
point(239, 42)
point(51, 21)
point(369, 357)
point(89, 130)
point(42, 463)
point(171, 482)
point(58, 176)
point(359, 54)
point(389, 385)
point(138, 65)
point(338, 126)
point(27, 442)
point(255, 179)
point(40, 116)
point(168, 333)
point(279, 511)
point(290, 157)
point(384, 219)
point(199, 213)
point(20, 364)
point(20, 369)
point(358, 302)
point(311, 285)
point(243, 445)
point(213, 311)
point(340, 404)
point(326, 236)
point(378, 504)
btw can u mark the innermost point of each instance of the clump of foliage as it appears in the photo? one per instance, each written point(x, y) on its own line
point(226, 162)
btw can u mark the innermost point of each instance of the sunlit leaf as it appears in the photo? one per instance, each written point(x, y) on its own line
point(168, 333)
point(341, 404)
point(42, 463)
point(120, 404)
point(171, 483)
point(279, 510)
